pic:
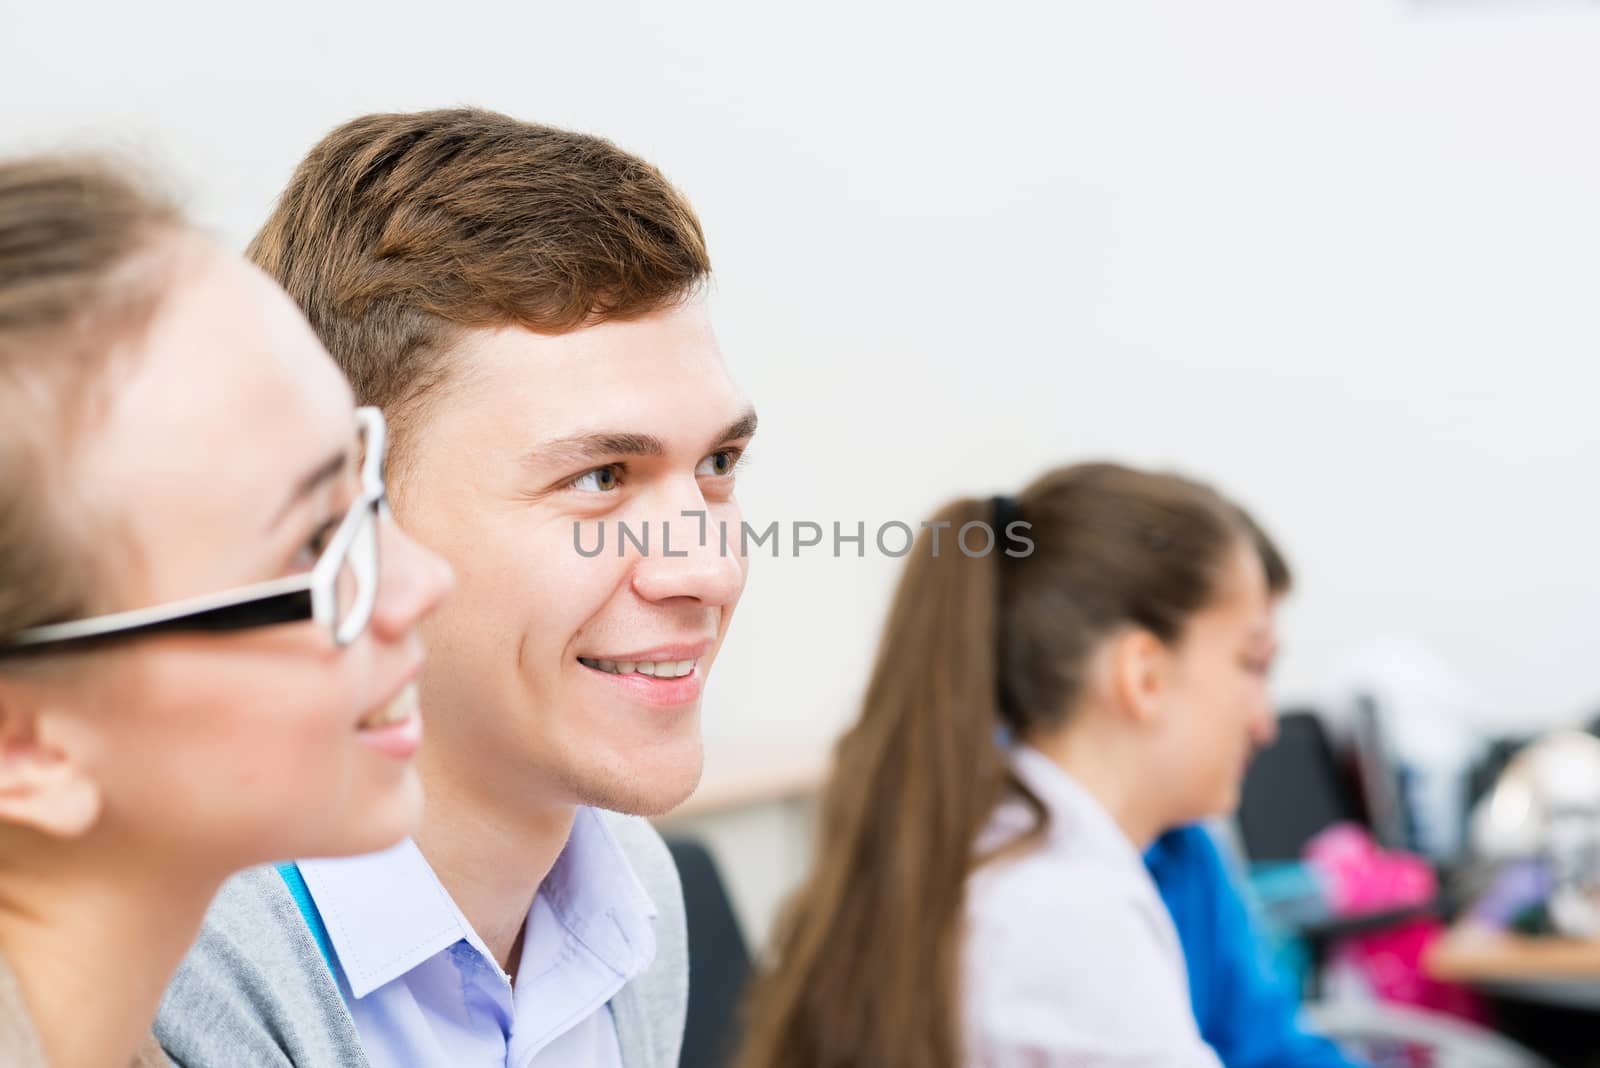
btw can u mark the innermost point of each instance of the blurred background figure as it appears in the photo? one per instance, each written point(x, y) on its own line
point(1541, 818)
point(1035, 721)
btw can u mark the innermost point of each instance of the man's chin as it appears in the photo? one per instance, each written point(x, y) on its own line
point(650, 787)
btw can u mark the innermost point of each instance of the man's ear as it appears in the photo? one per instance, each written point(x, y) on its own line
point(1141, 666)
point(44, 785)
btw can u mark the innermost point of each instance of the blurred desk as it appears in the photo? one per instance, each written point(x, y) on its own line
point(746, 775)
point(1561, 972)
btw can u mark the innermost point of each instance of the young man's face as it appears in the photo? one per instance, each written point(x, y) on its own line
point(624, 423)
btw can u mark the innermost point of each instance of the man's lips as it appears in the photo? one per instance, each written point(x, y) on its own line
point(673, 651)
point(659, 662)
point(668, 676)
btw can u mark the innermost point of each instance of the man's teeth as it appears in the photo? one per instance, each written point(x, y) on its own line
point(660, 669)
point(402, 708)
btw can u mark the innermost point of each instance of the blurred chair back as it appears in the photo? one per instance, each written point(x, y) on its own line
point(1294, 789)
point(1379, 777)
point(719, 961)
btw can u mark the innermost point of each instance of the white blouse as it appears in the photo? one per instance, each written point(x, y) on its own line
point(1070, 956)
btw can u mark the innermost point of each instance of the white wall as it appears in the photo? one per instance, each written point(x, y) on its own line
point(1340, 256)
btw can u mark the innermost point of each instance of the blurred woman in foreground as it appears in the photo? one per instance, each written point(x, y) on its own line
point(202, 666)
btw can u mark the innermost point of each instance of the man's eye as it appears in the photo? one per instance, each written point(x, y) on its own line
point(600, 480)
point(719, 464)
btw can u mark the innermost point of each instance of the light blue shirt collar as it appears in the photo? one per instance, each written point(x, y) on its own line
point(387, 912)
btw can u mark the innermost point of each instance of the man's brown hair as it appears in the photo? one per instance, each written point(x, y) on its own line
point(399, 231)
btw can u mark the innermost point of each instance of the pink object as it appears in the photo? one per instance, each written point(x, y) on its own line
point(1391, 962)
point(1359, 877)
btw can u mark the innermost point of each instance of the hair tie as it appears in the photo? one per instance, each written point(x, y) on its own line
point(1006, 512)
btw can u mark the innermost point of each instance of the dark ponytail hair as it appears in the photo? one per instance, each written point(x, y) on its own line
point(868, 954)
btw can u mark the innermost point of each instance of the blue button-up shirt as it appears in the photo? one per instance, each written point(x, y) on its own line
point(423, 988)
point(1246, 1012)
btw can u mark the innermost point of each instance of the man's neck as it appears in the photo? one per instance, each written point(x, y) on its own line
point(93, 942)
point(492, 862)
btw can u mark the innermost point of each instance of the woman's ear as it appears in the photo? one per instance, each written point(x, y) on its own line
point(44, 784)
point(1141, 667)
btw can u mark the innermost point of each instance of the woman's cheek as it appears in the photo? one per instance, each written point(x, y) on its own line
point(319, 725)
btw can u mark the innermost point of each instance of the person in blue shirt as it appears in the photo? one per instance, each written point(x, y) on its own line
point(1246, 1011)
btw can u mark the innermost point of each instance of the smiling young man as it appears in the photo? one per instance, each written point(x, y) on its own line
point(523, 302)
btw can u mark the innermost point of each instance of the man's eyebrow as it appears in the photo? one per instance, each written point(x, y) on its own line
point(588, 448)
point(608, 445)
point(742, 427)
point(323, 472)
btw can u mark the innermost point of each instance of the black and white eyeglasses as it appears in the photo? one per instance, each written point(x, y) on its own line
point(338, 592)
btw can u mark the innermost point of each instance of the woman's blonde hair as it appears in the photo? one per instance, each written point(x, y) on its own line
point(83, 264)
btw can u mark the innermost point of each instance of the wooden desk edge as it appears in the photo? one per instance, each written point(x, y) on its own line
point(1473, 955)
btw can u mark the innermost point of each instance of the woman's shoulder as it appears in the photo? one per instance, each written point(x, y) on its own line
point(1043, 872)
point(1022, 860)
point(1047, 893)
point(1052, 916)
point(1058, 897)
point(1053, 942)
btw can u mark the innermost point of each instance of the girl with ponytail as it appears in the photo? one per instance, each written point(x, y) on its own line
point(1033, 721)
